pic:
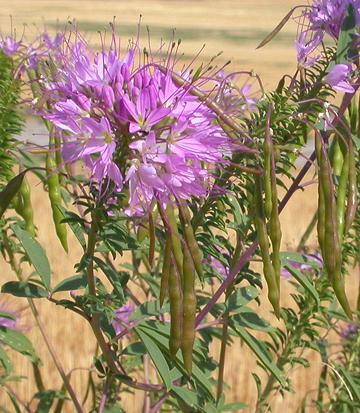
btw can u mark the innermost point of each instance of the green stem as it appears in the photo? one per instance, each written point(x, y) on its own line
point(95, 319)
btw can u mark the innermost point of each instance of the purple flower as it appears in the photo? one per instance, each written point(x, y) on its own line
point(131, 125)
point(121, 318)
point(338, 78)
point(218, 267)
point(9, 46)
point(350, 331)
point(313, 259)
point(328, 15)
point(8, 317)
point(305, 48)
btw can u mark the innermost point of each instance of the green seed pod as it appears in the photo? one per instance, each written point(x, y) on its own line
point(175, 237)
point(341, 197)
point(267, 177)
point(152, 239)
point(274, 226)
point(176, 310)
point(55, 200)
point(332, 250)
point(321, 204)
point(263, 240)
point(164, 286)
point(191, 240)
point(352, 195)
point(189, 310)
point(23, 206)
point(336, 156)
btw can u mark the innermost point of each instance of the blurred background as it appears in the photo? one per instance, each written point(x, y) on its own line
point(233, 27)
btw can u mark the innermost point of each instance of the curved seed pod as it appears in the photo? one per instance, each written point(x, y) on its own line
point(336, 156)
point(23, 206)
point(352, 196)
point(176, 310)
point(321, 203)
point(262, 236)
point(274, 226)
point(191, 240)
point(341, 197)
point(267, 177)
point(27, 211)
point(152, 239)
point(189, 308)
point(164, 286)
point(55, 200)
point(175, 237)
point(332, 250)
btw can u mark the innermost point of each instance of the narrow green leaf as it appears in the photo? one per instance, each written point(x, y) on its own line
point(157, 357)
point(8, 193)
point(346, 36)
point(18, 342)
point(261, 353)
point(76, 282)
point(23, 289)
point(233, 406)
point(74, 223)
point(187, 396)
point(305, 282)
point(11, 189)
point(354, 388)
point(5, 361)
point(35, 253)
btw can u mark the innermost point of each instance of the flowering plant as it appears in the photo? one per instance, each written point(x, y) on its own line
point(179, 169)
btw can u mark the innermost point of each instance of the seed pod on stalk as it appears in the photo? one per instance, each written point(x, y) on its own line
point(274, 221)
point(341, 196)
point(55, 199)
point(262, 236)
point(24, 208)
point(176, 309)
point(164, 285)
point(190, 239)
point(321, 204)
point(332, 249)
point(189, 309)
point(172, 228)
point(352, 195)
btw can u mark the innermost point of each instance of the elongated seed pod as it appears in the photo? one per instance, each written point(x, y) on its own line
point(152, 239)
point(175, 237)
point(341, 197)
point(176, 310)
point(321, 203)
point(164, 285)
point(274, 226)
point(55, 200)
point(189, 310)
point(27, 211)
point(332, 251)
point(267, 177)
point(191, 240)
point(23, 206)
point(352, 195)
point(336, 156)
point(263, 240)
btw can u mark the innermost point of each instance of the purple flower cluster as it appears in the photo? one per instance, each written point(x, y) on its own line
point(130, 123)
point(328, 15)
point(322, 17)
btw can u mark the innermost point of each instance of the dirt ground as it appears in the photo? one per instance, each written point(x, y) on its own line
point(234, 27)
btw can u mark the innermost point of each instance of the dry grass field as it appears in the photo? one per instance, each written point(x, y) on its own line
point(232, 26)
